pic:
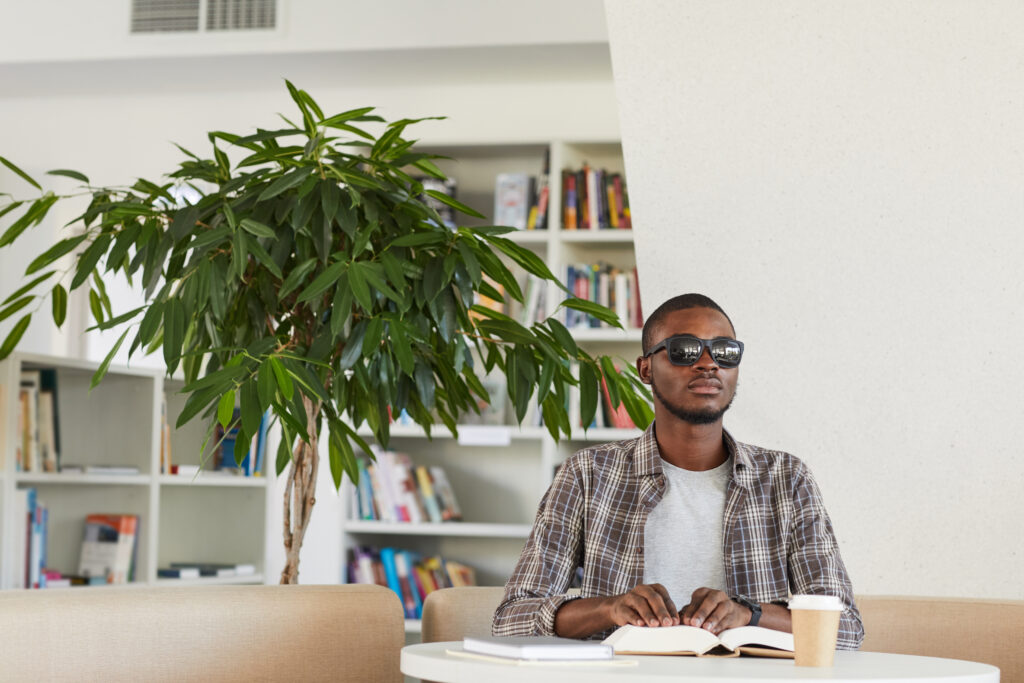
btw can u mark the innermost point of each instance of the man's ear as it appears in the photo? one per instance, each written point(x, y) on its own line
point(643, 368)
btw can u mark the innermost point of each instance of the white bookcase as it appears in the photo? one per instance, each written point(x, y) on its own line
point(499, 487)
point(209, 517)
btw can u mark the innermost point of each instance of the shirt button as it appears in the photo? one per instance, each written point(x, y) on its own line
point(639, 551)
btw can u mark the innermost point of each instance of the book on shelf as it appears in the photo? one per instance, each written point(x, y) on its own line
point(109, 547)
point(393, 489)
point(538, 217)
point(218, 569)
point(539, 648)
point(178, 572)
point(690, 640)
point(512, 199)
point(594, 199)
point(613, 287)
point(37, 448)
point(411, 576)
point(30, 539)
point(227, 452)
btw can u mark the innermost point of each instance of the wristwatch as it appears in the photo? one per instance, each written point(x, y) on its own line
point(754, 607)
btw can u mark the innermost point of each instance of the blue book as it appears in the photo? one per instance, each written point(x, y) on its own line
point(387, 559)
point(261, 445)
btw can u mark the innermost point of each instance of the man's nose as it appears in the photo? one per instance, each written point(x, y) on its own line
point(706, 362)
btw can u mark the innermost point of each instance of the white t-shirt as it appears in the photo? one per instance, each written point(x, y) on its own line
point(683, 533)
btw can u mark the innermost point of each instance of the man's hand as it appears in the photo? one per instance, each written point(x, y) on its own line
point(645, 605)
point(714, 610)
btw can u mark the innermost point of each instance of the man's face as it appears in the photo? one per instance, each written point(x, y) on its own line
point(698, 393)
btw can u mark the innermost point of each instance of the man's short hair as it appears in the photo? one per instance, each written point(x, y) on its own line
point(677, 303)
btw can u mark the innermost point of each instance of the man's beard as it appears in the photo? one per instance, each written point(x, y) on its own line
point(694, 417)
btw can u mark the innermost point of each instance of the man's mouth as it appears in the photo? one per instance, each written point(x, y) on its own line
point(705, 386)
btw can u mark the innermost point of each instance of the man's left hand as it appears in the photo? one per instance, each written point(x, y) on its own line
point(714, 611)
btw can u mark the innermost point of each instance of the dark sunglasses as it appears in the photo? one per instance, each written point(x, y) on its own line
point(685, 349)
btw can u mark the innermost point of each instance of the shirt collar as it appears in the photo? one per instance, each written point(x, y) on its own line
point(647, 460)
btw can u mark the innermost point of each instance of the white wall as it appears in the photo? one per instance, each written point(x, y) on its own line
point(115, 119)
point(846, 180)
point(59, 30)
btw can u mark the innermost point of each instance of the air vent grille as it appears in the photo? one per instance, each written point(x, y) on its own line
point(152, 16)
point(240, 15)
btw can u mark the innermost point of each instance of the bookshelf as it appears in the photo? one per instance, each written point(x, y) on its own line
point(499, 487)
point(209, 517)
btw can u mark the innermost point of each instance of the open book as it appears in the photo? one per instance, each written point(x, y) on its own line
point(690, 640)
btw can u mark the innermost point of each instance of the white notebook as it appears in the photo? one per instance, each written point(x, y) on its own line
point(538, 647)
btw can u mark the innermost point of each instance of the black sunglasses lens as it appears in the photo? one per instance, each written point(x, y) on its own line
point(684, 350)
point(726, 352)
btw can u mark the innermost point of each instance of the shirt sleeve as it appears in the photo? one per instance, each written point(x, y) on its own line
point(538, 585)
point(815, 565)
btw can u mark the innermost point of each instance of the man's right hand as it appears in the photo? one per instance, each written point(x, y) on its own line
point(645, 605)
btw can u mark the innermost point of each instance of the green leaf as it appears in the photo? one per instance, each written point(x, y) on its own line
point(563, 337)
point(284, 381)
point(611, 375)
point(89, 258)
point(418, 239)
point(360, 289)
point(597, 310)
point(219, 380)
point(445, 199)
point(588, 394)
point(184, 222)
point(10, 207)
point(284, 449)
point(55, 252)
point(60, 305)
point(257, 228)
point(17, 170)
point(70, 174)
point(296, 277)
point(174, 331)
point(264, 258)
point(14, 336)
point(323, 281)
point(25, 288)
point(266, 384)
point(226, 409)
point(101, 371)
point(283, 183)
point(509, 331)
point(33, 216)
point(401, 347)
point(114, 322)
point(523, 256)
point(96, 306)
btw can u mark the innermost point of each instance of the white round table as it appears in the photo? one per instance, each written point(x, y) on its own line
point(431, 662)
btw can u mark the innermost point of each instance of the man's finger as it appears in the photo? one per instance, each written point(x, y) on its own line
point(641, 605)
point(706, 607)
point(721, 617)
point(671, 614)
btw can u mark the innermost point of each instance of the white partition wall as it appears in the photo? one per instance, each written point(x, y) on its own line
point(847, 180)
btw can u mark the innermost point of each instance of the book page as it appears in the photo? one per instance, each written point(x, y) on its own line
point(756, 635)
point(661, 640)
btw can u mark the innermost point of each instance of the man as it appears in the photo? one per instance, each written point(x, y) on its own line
point(683, 515)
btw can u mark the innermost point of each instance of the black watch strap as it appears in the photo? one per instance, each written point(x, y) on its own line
point(754, 607)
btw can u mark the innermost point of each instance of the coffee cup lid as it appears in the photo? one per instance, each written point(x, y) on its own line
point(819, 602)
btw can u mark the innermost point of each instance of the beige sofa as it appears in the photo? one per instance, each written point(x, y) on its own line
point(988, 631)
point(209, 633)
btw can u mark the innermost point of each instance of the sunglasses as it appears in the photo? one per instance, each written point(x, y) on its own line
point(685, 349)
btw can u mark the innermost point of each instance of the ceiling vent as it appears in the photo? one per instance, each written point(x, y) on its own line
point(152, 16)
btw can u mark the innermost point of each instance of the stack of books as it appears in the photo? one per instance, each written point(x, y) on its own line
point(393, 489)
point(594, 199)
point(411, 576)
point(612, 287)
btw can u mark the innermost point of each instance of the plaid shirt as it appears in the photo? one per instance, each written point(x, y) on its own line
point(777, 537)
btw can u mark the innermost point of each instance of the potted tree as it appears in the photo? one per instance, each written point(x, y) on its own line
point(311, 277)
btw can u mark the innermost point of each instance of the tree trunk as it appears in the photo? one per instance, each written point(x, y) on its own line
point(300, 493)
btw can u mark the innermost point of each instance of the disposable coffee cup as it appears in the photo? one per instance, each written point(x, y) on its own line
point(815, 628)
